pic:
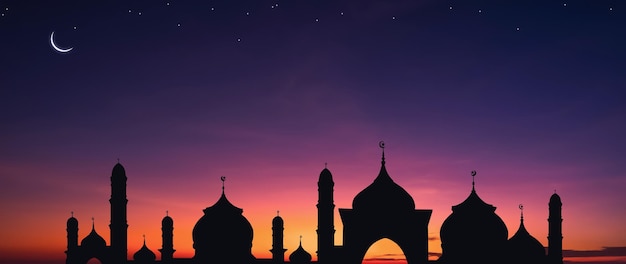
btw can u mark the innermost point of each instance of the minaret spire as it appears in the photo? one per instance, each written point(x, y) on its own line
point(521, 208)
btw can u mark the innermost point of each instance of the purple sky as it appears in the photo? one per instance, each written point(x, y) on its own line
point(529, 93)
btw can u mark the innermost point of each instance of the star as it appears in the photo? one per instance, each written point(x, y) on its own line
point(238, 40)
point(393, 17)
point(317, 20)
point(129, 11)
point(564, 4)
point(341, 13)
point(517, 28)
point(450, 7)
point(74, 27)
point(168, 3)
point(610, 9)
point(247, 13)
point(480, 11)
point(140, 13)
point(212, 8)
point(272, 7)
point(178, 25)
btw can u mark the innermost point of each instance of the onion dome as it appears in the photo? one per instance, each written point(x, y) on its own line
point(144, 254)
point(300, 256)
point(383, 195)
point(93, 240)
point(472, 227)
point(223, 234)
point(524, 248)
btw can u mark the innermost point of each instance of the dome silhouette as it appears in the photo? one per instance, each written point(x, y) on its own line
point(223, 234)
point(72, 223)
point(473, 227)
point(167, 221)
point(118, 170)
point(93, 240)
point(144, 254)
point(383, 195)
point(300, 256)
point(524, 248)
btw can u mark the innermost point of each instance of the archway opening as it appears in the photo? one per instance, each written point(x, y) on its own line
point(384, 251)
point(94, 261)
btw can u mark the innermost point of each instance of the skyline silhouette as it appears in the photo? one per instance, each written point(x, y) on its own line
point(381, 211)
point(530, 94)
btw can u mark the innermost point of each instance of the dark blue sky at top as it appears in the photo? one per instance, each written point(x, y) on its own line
point(409, 67)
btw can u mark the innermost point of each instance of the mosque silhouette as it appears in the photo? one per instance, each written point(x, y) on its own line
point(473, 233)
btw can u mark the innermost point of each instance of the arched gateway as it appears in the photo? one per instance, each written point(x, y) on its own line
point(382, 210)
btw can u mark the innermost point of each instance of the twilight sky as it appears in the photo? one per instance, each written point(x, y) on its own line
point(531, 94)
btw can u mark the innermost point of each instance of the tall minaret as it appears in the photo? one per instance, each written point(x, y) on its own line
point(555, 232)
point(119, 225)
point(278, 251)
point(167, 234)
point(325, 217)
point(72, 239)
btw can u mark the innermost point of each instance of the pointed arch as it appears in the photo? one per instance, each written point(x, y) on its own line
point(384, 251)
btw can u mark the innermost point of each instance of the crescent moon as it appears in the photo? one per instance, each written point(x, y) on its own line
point(381, 144)
point(55, 47)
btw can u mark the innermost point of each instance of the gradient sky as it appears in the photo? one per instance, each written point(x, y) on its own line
point(531, 94)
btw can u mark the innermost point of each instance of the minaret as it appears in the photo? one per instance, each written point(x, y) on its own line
point(555, 232)
point(325, 217)
point(72, 238)
point(167, 234)
point(278, 252)
point(119, 225)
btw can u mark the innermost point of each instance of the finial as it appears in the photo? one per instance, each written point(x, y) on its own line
point(381, 144)
point(167, 212)
point(118, 160)
point(473, 175)
point(277, 213)
point(93, 223)
point(554, 191)
point(72, 212)
point(325, 165)
point(300, 240)
point(223, 178)
point(521, 208)
point(144, 239)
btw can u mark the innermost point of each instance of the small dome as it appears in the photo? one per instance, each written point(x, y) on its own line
point(72, 223)
point(93, 240)
point(325, 176)
point(144, 254)
point(223, 234)
point(555, 199)
point(300, 256)
point(167, 221)
point(383, 195)
point(524, 248)
point(278, 221)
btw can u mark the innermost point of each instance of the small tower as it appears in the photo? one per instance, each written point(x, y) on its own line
point(555, 232)
point(72, 237)
point(325, 217)
point(278, 251)
point(167, 234)
point(119, 225)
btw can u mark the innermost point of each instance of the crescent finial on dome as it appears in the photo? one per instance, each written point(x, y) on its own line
point(473, 175)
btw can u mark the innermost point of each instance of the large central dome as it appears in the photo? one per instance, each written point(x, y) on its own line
point(383, 195)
